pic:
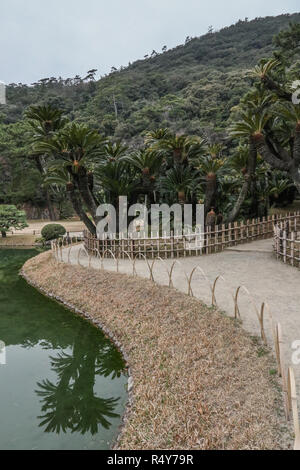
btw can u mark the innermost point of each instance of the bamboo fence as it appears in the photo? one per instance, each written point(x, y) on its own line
point(287, 244)
point(213, 239)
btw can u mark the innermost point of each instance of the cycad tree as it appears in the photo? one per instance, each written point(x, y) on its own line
point(147, 163)
point(207, 160)
point(177, 149)
point(178, 184)
point(114, 179)
point(45, 121)
point(76, 149)
point(278, 141)
point(249, 129)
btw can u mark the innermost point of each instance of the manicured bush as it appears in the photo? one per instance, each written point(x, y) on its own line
point(53, 231)
point(11, 218)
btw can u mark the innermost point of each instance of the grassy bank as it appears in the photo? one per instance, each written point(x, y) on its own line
point(200, 382)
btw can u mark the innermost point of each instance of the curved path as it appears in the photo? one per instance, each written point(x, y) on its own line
point(252, 265)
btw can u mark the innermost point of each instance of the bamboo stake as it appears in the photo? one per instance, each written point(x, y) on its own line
point(293, 398)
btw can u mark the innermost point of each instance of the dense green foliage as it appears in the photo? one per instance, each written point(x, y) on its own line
point(187, 88)
point(53, 231)
point(173, 112)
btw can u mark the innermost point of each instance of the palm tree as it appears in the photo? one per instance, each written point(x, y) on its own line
point(178, 183)
point(45, 121)
point(277, 143)
point(178, 147)
point(154, 137)
point(279, 186)
point(114, 180)
point(263, 69)
point(59, 177)
point(148, 163)
point(287, 123)
point(238, 161)
point(114, 151)
point(76, 149)
point(250, 127)
point(210, 169)
point(264, 72)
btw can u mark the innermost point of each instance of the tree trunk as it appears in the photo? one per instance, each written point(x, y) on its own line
point(253, 187)
point(242, 196)
point(51, 210)
point(47, 195)
point(249, 179)
point(296, 149)
point(210, 194)
point(264, 150)
point(3, 233)
point(77, 205)
point(83, 186)
point(290, 165)
point(273, 86)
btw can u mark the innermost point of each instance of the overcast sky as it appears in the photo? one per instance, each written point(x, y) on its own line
point(40, 38)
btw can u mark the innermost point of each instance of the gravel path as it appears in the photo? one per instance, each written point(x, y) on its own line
point(251, 265)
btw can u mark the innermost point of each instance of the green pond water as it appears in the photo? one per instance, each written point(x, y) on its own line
point(62, 383)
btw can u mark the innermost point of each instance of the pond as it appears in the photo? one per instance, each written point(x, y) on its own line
point(62, 382)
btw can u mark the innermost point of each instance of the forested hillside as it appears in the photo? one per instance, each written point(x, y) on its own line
point(186, 88)
point(190, 89)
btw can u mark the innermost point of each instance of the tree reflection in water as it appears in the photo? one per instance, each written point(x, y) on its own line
point(71, 404)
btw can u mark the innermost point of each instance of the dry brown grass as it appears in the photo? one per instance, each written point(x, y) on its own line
point(18, 240)
point(29, 235)
point(200, 382)
point(71, 225)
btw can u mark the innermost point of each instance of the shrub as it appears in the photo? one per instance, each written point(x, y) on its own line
point(53, 231)
point(11, 217)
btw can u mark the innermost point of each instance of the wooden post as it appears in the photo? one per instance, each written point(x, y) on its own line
point(223, 228)
point(217, 239)
point(172, 244)
point(229, 233)
point(208, 229)
point(294, 406)
point(292, 252)
point(165, 245)
point(235, 233)
point(284, 246)
point(242, 232)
